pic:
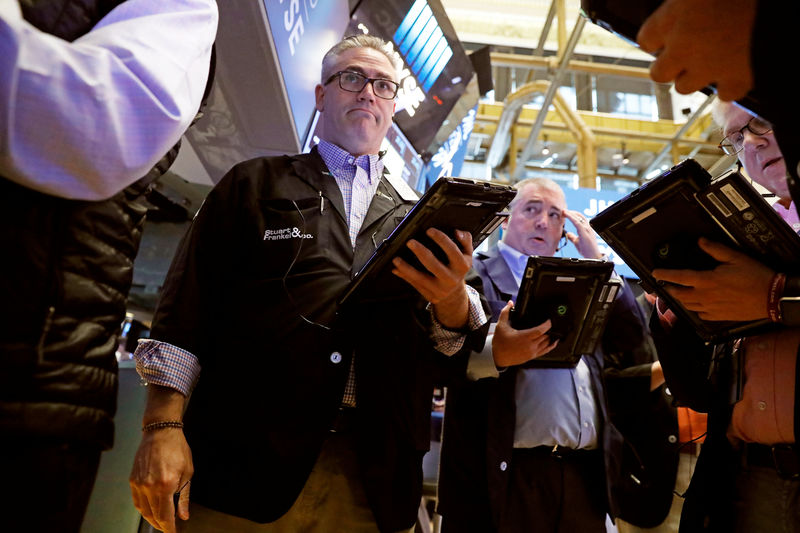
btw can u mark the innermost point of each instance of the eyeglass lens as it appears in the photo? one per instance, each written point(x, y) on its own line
point(355, 82)
point(734, 142)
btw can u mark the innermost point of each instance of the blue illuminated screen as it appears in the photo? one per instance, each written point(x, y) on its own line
point(422, 44)
point(436, 68)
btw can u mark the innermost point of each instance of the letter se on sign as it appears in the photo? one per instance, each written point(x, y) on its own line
point(293, 22)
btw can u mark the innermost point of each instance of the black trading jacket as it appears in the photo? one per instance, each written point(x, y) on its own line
point(252, 293)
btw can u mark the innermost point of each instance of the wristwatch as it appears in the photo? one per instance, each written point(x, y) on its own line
point(789, 303)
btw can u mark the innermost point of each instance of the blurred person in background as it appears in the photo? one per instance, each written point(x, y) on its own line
point(93, 94)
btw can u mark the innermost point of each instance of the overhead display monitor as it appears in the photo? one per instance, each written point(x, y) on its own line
point(436, 67)
point(449, 158)
point(422, 44)
point(302, 32)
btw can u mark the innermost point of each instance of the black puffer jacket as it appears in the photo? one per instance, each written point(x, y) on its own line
point(67, 268)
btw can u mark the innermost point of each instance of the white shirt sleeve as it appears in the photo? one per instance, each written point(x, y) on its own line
point(87, 118)
point(481, 364)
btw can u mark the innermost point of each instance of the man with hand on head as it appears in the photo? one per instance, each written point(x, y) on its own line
point(301, 420)
point(747, 477)
point(94, 98)
point(531, 449)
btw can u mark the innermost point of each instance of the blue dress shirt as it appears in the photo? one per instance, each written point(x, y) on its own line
point(555, 406)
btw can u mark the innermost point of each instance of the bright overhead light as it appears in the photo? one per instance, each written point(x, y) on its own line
point(623, 156)
point(653, 173)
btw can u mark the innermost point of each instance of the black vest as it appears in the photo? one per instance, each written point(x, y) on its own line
point(67, 270)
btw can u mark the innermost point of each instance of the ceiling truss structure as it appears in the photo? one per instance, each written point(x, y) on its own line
point(512, 133)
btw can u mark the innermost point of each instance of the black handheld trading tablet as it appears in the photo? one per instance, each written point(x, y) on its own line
point(476, 206)
point(576, 295)
point(658, 225)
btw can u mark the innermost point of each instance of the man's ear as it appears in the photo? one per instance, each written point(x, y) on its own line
point(319, 93)
point(504, 223)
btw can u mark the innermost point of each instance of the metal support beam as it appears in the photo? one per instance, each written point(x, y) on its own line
point(505, 59)
point(668, 147)
point(548, 98)
point(561, 11)
point(542, 38)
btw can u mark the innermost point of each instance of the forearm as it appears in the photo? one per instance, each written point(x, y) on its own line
point(481, 364)
point(684, 359)
point(453, 311)
point(163, 462)
point(163, 404)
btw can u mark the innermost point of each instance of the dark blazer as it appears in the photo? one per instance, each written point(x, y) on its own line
point(701, 377)
point(252, 293)
point(773, 30)
point(480, 416)
point(648, 421)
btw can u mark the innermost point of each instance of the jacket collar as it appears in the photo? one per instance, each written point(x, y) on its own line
point(499, 273)
point(311, 168)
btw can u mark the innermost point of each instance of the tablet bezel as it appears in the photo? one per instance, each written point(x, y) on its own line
point(587, 281)
point(676, 203)
point(483, 202)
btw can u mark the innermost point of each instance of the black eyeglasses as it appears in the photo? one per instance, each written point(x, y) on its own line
point(354, 82)
point(733, 143)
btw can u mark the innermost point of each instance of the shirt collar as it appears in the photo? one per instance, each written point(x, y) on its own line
point(789, 215)
point(516, 260)
point(339, 160)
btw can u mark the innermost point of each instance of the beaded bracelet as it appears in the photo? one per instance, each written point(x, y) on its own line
point(152, 426)
point(774, 297)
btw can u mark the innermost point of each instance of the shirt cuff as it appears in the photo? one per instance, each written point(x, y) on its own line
point(161, 363)
point(481, 364)
point(665, 314)
point(449, 341)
